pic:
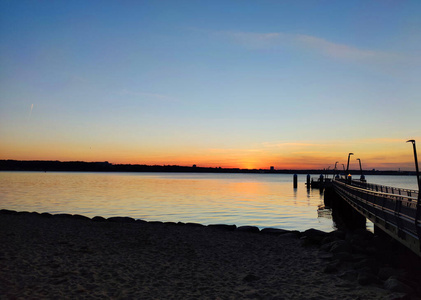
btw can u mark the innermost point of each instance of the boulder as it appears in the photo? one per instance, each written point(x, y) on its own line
point(342, 256)
point(331, 268)
point(313, 236)
point(80, 217)
point(64, 216)
point(341, 246)
point(291, 235)
point(349, 275)
point(46, 215)
point(121, 220)
point(99, 219)
point(369, 265)
point(248, 229)
point(194, 225)
point(223, 227)
point(8, 212)
point(250, 278)
point(315, 233)
point(365, 278)
point(274, 231)
point(394, 285)
point(386, 272)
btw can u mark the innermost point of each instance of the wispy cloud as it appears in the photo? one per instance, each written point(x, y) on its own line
point(341, 51)
point(150, 96)
point(280, 40)
point(30, 112)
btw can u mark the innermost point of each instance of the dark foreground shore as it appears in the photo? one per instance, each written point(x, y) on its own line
point(45, 256)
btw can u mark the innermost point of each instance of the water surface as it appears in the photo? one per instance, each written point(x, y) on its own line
point(263, 200)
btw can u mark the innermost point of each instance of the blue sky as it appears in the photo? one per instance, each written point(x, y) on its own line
point(231, 83)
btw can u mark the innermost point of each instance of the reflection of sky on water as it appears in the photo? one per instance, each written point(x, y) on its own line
point(263, 200)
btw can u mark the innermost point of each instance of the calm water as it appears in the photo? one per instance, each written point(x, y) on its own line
point(263, 200)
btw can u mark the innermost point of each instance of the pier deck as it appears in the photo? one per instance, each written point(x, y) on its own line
point(396, 211)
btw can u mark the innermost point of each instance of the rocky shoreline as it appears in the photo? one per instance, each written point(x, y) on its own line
point(73, 256)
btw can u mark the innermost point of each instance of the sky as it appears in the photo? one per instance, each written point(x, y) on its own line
point(243, 84)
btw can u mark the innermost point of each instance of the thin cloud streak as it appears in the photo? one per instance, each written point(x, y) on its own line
point(30, 112)
point(280, 40)
point(154, 96)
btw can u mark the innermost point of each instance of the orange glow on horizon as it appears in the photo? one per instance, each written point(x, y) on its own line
point(377, 154)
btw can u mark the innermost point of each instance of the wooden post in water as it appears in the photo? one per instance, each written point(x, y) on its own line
point(295, 181)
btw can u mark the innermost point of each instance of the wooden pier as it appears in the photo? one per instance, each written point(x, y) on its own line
point(395, 211)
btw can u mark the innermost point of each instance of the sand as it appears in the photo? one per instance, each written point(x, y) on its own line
point(45, 257)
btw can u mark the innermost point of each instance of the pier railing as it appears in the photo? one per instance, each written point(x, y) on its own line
point(394, 210)
point(385, 189)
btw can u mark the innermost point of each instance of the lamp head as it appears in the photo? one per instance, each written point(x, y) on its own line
point(412, 141)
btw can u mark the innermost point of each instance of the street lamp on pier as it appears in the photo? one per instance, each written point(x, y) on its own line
point(347, 166)
point(335, 176)
point(362, 178)
point(416, 166)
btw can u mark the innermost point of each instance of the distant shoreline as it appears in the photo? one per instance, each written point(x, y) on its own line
point(80, 166)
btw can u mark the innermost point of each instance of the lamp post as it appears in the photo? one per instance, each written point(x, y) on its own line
point(334, 171)
point(362, 178)
point(347, 166)
point(347, 175)
point(416, 166)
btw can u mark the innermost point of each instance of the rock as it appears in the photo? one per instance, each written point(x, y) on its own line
point(274, 231)
point(290, 235)
point(325, 256)
point(313, 237)
point(328, 240)
point(224, 227)
point(349, 275)
point(397, 296)
point(68, 216)
point(365, 278)
point(394, 285)
point(338, 234)
point(156, 222)
point(46, 215)
point(341, 246)
point(331, 268)
point(121, 220)
point(386, 272)
point(342, 256)
point(8, 212)
point(327, 247)
point(369, 265)
point(80, 217)
point(248, 229)
point(363, 234)
point(194, 225)
point(99, 219)
point(251, 278)
point(315, 233)
point(170, 223)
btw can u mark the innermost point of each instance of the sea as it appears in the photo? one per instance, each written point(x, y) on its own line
point(262, 200)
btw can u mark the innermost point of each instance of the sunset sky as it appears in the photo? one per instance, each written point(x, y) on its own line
point(248, 84)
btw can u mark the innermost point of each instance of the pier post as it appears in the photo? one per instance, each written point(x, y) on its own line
point(343, 214)
point(295, 181)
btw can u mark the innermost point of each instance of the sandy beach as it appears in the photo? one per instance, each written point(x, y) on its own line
point(73, 257)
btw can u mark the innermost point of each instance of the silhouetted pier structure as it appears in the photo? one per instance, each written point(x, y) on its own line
point(394, 210)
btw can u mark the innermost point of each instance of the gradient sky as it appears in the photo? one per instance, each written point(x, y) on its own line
point(248, 84)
